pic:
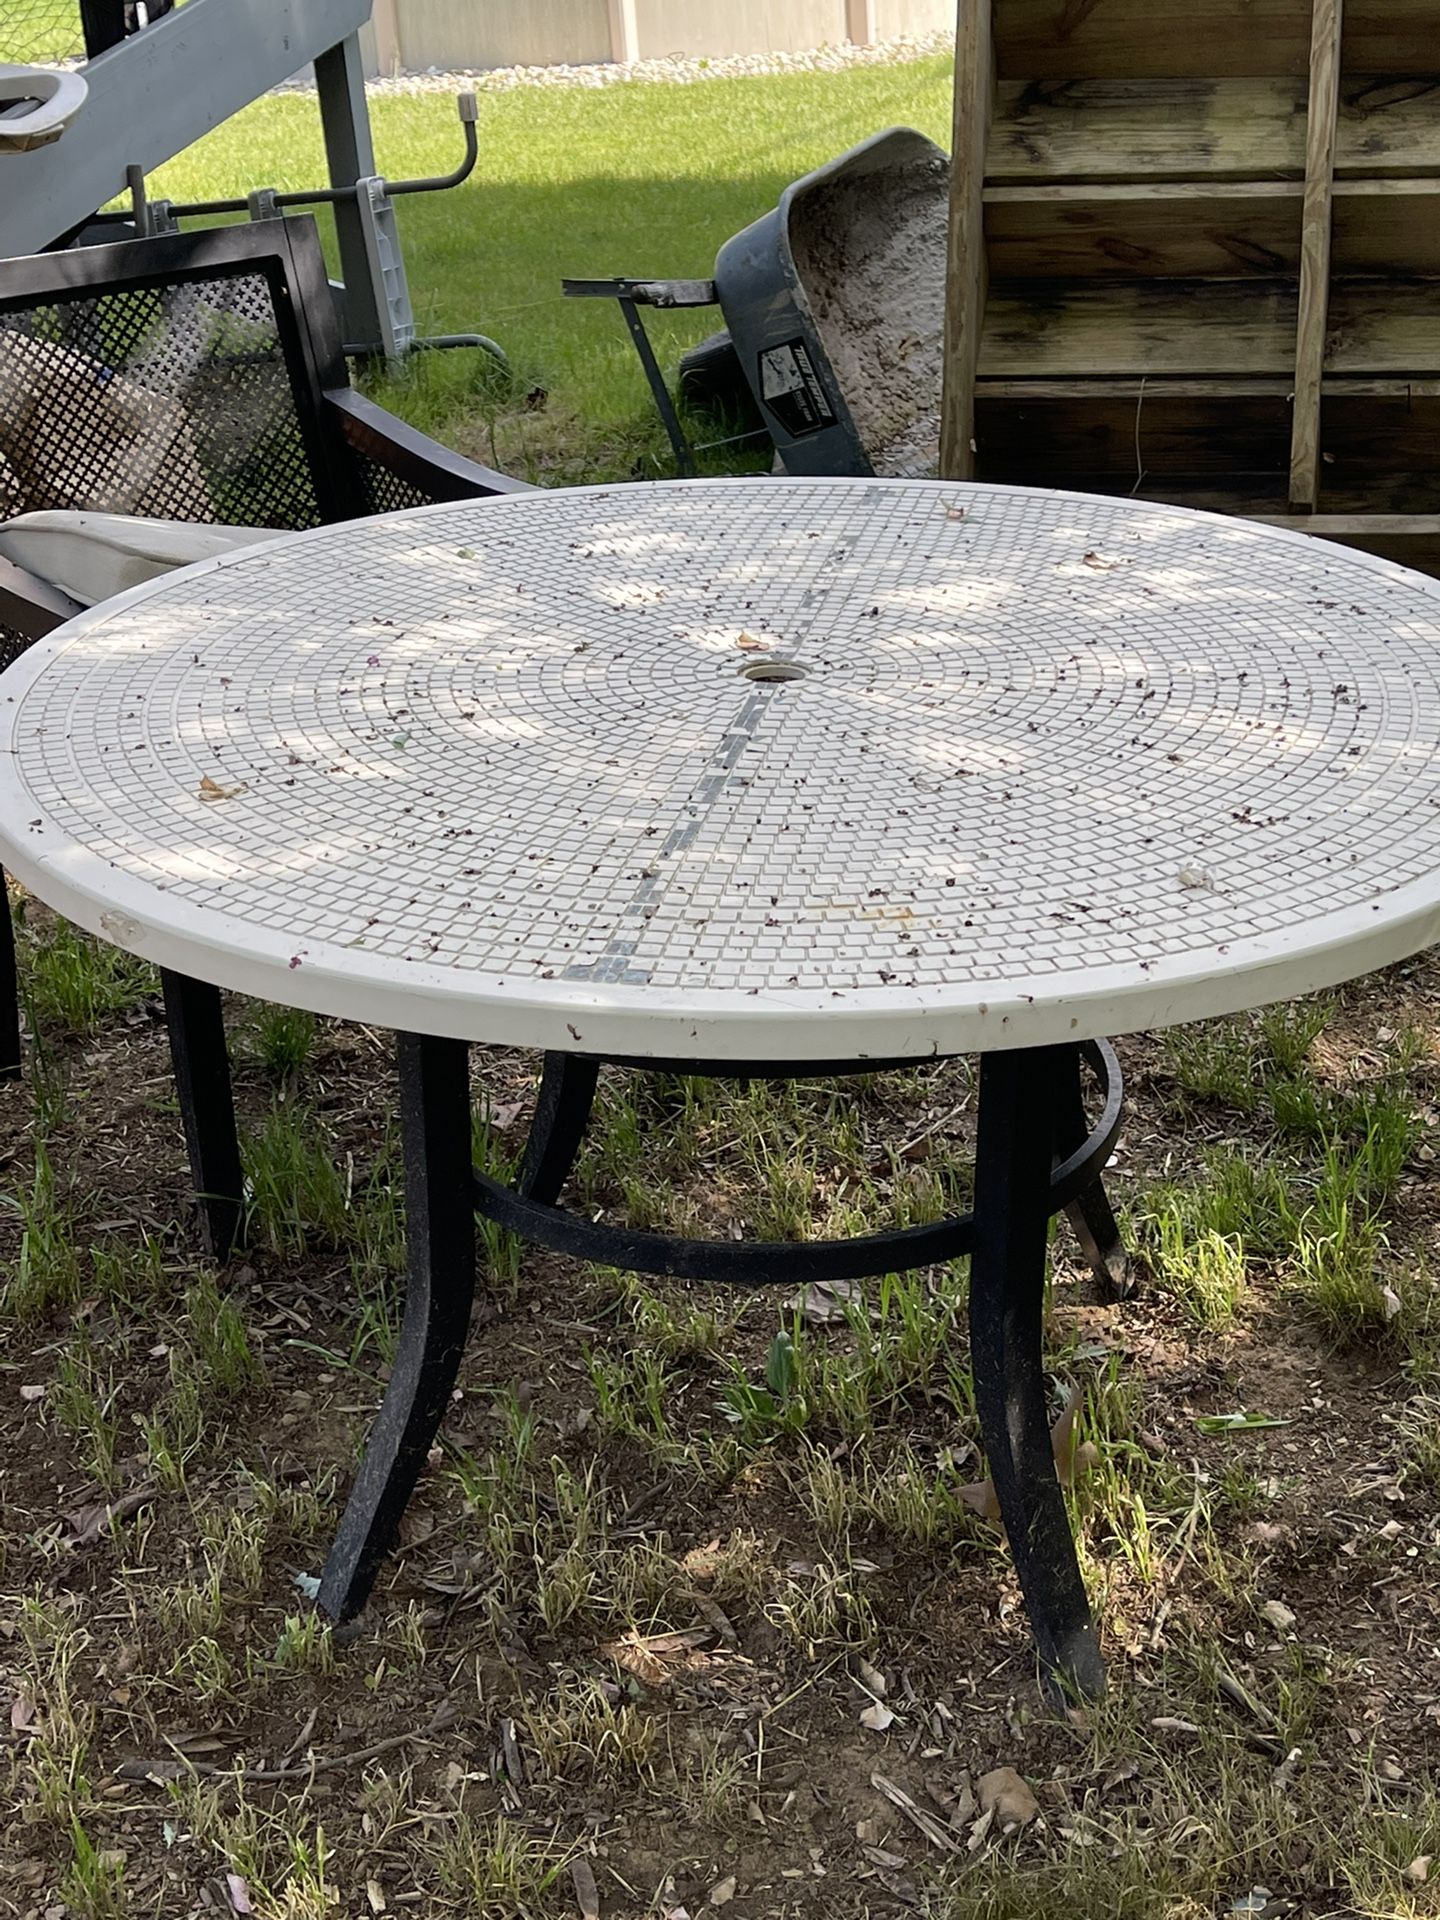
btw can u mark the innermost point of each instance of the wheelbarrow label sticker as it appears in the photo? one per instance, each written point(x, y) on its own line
point(792, 391)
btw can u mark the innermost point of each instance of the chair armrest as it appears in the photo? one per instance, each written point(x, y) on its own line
point(30, 605)
point(377, 435)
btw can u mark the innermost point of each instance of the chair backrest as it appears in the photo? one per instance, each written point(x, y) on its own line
point(180, 377)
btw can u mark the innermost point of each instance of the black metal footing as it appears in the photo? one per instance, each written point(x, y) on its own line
point(9, 990)
point(440, 1238)
point(562, 1112)
point(207, 1107)
point(1013, 1154)
point(1034, 1158)
point(1117, 1272)
point(566, 1092)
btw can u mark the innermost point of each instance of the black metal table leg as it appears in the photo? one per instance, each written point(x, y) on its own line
point(207, 1107)
point(562, 1111)
point(9, 991)
point(1014, 1150)
point(440, 1239)
point(1090, 1212)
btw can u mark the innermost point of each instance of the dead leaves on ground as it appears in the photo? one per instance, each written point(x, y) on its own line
point(1072, 1461)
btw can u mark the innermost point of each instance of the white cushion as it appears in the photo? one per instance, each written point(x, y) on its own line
point(92, 555)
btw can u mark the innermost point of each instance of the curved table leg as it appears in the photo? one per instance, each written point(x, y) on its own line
point(207, 1107)
point(9, 991)
point(440, 1241)
point(562, 1112)
point(1090, 1213)
point(1014, 1149)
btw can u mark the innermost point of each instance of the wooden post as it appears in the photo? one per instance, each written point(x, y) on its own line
point(1314, 308)
point(385, 20)
point(624, 32)
point(966, 273)
point(860, 22)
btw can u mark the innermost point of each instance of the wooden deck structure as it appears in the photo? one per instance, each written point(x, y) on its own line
point(1195, 255)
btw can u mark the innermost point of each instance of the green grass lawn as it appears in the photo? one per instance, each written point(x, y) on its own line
point(634, 179)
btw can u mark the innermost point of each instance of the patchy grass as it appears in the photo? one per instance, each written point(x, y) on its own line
point(635, 179)
point(676, 1541)
point(681, 1551)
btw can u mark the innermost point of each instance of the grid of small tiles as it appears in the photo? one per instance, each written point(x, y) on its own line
point(516, 738)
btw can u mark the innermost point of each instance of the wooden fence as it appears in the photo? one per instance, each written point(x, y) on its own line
point(412, 35)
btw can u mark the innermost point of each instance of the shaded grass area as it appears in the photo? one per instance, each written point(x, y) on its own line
point(677, 1541)
point(639, 179)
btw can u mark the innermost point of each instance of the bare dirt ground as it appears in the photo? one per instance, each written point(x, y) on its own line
point(689, 1617)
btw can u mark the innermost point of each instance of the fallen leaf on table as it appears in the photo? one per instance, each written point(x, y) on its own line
point(1006, 1794)
point(212, 789)
point(749, 642)
point(587, 1894)
point(952, 512)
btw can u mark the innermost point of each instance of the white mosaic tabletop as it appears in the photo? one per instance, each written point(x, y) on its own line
point(1043, 766)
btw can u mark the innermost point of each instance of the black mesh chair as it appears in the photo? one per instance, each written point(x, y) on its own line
point(194, 377)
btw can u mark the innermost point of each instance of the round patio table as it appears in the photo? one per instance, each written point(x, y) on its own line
point(751, 777)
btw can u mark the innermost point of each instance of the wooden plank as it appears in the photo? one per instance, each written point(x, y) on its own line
point(1389, 127)
point(1384, 326)
point(1126, 129)
point(1219, 387)
point(967, 274)
point(1315, 254)
point(1413, 540)
point(1143, 230)
point(1148, 435)
point(1340, 526)
point(1155, 328)
point(1198, 329)
point(1380, 448)
point(1386, 227)
point(1391, 37)
point(1150, 39)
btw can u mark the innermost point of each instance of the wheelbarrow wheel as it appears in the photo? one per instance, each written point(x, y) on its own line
point(713, 378)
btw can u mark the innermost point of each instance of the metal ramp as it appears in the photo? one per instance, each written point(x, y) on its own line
point(154, 94)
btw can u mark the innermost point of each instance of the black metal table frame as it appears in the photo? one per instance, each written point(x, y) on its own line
point(1036, 1155)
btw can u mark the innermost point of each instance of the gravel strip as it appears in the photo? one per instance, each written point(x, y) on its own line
point(677, 70)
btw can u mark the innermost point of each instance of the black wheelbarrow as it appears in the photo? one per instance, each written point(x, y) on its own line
point(834, 307)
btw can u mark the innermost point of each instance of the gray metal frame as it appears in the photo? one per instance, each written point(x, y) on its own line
point(156, 93)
